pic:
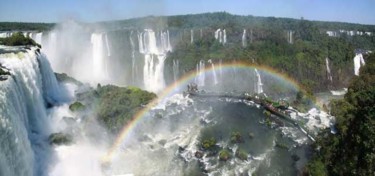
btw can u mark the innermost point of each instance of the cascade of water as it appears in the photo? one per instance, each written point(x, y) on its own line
point(201, 33)
point(38, 37)
point(191, 36)
point(201, 77)
point(251, 36)
point(134, 68)
point(224, 37)
point(153, 71)
point(358, 61)
point(214, 71)
point(23, 116)
point(329, 75)
point(175, 68)
point(98, 62)
point(244, 43)
point(221, 69)
point(259, 85)
point(221, 35)
point(140, 43)
point(107, 45)
point(290, 36)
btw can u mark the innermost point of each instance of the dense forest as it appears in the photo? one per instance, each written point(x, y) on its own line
point(18, 26)
point(352, 150)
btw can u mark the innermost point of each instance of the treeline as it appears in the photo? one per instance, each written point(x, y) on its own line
point(352, 150)
point(18, 26)
point(18, 39)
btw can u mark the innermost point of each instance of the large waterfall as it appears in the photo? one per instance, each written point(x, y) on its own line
point(329, 75)
point(99, 65)
point(191, 36)
point(221, 35)
point(154, 47)
point(244, 42)
point(23, 116)
point(175, 68)
point(358, 61)
point(259, 85)
point(213, 71)
point(201, 77)
point(134, 67)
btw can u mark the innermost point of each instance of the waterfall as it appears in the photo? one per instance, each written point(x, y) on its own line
point(244, 43)
point(221, 69)
point(224, 37)
point(259, 85)
point(107, 45)
point(134, 68)
point(23, 116)
point(175, 68)
point(221, 35)
point(290, 36)
point(358, 61)
point(191, 36)
point(153, 70)
point(98, 63)
point(214, 71)
point(200, 75)
point(329, 75)
point(201, 31)
point(37, 37)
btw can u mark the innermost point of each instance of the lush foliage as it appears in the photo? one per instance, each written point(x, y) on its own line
point(208, 144)
point(224, 155)
point(77, 106)
point(352, 150)
point(10, 26)
point(18, 39)
point(60, 139)
point(63, 77)
point(117, 105)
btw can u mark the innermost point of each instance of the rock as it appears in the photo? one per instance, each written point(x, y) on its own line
point(236, 137)
point(241, 154)
point(198, 154)
point(251, 135)
point(224, 155)
point(60, 139)
point(77, 106)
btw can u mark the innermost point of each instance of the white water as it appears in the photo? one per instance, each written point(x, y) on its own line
point(37, 37)
point(134, 67)
point(244, 42)
point(107, 45)
point(329, 75)
point(201, 77)
point(23, 116)
point(214, 71)
point(259, 85)
point(175, 68)
point(290, 36)
point(191, 36)
point(152, 47)
point(221, 35)
point(358, 62)
point(99, 68)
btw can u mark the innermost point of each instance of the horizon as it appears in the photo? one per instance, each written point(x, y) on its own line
point(54, 12)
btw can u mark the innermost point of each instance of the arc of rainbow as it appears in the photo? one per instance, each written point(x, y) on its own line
point(171, 89)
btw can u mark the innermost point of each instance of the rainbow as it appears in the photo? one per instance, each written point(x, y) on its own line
point(175, 87)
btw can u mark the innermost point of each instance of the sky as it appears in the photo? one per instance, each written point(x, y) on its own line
point(354, 11)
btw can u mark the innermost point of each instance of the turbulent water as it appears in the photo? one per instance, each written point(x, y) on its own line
point(23, 116)
point(358, 62)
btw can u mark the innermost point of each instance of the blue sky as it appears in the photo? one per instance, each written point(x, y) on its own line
point(357, 11)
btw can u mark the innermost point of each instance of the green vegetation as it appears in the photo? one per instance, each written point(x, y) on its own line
point(241, 154)
point(224, 155)
point(3, 72)
point(117, 105)
point(208, 144)
point(10, 26)
point(60, 139)
point(281, 145)
point(77, 106)
point(63, 77)
point(236, 137)
point(18, 39)
point(352, 150)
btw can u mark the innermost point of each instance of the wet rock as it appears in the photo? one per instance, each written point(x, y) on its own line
point(224, 155)
point(60, 139)
point(198, 154)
